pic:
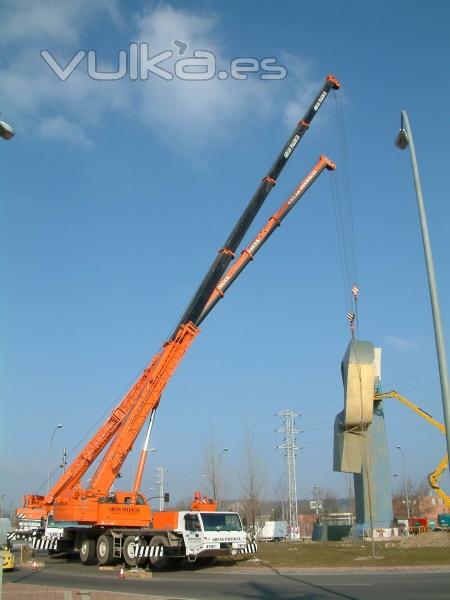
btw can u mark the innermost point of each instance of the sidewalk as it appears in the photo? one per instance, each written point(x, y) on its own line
point(19, 591)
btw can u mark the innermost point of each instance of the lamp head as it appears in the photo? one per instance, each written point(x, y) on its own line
point(59, 426)
point(6, 131)
point(401, 141)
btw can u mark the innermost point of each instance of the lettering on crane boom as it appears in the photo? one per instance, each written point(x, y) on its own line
point(129, 509)
point(254, 245)
point(292, 145)
point(223, 282)
point(320, 100)
point(301, 187)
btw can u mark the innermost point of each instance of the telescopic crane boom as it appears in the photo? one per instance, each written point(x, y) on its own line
point(239, 265)
point(125, 437)
point(127, 419)
point(249, 252)
point(226, 254)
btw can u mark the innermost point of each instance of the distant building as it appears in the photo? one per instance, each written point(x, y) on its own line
point(430, 507)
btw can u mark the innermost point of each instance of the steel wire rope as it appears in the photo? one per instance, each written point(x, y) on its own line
point(346, 236)
point(340, 244)
point(347, 188)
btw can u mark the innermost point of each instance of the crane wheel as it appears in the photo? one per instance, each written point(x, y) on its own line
point(87, 551)
point(158, 563)
point(129, 552)
point(105, 549)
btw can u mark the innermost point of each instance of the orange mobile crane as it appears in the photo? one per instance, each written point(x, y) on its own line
point(104, 526)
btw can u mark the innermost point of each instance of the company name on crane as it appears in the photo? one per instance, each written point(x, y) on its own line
point(253, 246)
point(292, 145)
point(320, 100)
point(302, 187)
point(223, 282)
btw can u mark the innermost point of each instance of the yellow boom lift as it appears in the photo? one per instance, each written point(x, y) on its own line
point(434, 476)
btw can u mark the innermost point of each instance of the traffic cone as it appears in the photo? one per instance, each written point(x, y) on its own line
point(121, 574)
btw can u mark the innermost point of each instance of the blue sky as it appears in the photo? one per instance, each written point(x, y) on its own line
point(116, 196)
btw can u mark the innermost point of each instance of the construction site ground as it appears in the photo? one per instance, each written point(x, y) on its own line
point(431, 548)
point(428, 552)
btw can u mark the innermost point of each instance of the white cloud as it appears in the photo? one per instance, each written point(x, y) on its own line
point(26, 21)
point(31, 95)
point(47, 21)
point(399, 342)
point(202, 112)
point(304, 85)
point(59, 128)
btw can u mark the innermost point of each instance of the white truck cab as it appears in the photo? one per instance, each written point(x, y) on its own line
point(211, 533)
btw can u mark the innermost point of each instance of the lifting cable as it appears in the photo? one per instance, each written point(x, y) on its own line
point(343, 200)
point(343, 211)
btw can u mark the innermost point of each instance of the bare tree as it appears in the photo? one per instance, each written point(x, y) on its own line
point(398, 500)
point(327, 500)
point(420, 490)
point(330, 502)
point(213, 469)
point(253, 483)
point(184, 503)
point(280, 500)
point(417, 493)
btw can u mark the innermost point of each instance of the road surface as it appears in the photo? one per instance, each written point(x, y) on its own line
point(233, 584)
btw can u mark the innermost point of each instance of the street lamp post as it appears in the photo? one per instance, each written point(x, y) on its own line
point(405, 483)
point(316, 495)
point(59, 426)
point(220, 477)
point(403, 140)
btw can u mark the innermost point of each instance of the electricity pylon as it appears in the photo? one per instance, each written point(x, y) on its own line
point(290, 446)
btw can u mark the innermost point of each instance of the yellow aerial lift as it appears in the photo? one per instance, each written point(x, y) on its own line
point(434, 476)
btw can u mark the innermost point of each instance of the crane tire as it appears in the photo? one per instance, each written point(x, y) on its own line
point(129, 554)
point(88, 555)
point(159, 563)
point(105, 549)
